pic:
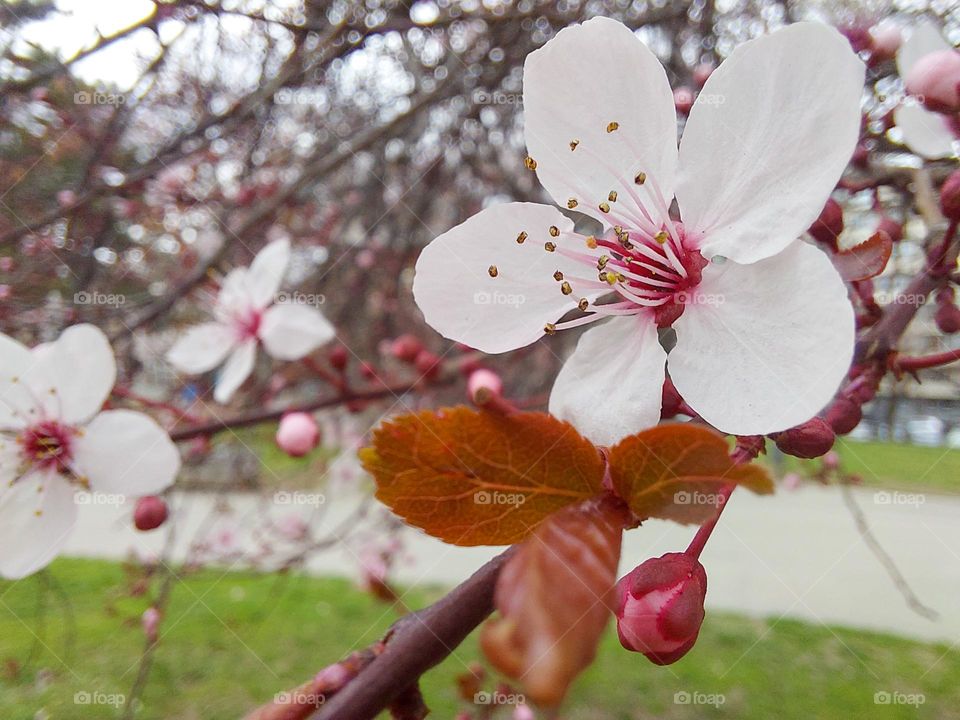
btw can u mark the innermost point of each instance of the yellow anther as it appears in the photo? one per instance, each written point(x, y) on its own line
point(530, 163)
point(583, 304)
point(612, 197)
point(549, 246)
point(613, 126)
point(549, 328)
point(611, 278)
point(661, 237)
point(558, 276)
point(572, 203)
point(521, 237)
point(492, 271)
point(602, 262)
point(573, 145)
point(605, 207)
point(592, 242)
point(554, 231)
point(565, 288)
point(640, 178)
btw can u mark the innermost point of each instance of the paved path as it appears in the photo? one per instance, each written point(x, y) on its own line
point(797, 554)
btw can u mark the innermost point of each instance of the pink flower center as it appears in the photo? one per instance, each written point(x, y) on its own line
point(48, 445)
point(646, 260)
point(246, 324)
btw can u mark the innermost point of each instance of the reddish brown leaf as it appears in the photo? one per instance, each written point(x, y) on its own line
point(476, 478)
point(866, 260)
point(676, 471)
point(555, 596)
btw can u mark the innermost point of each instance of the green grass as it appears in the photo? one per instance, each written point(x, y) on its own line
point(895, 465)
point(231, 640)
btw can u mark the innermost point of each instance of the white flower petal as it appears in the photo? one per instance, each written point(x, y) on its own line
point(925, 38)
point(126, 453)
point(772, 349)
point(612, 384)
point(767, 141)
point(37, 516)
point(582, 80)
point(80, 371)
point(926, 133)
point(289, 332)
point(17, 401)
point(237, 369)
point(460, 300)
point(267, 271)
point(201, 348)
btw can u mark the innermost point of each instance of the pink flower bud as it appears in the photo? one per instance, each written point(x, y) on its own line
point(829, 225)
point(339, 357)
point(427, 364)
point(885, 40)
point(791, 481)
point(484, 384)
point(831, 461)
point(934, 78)
point(701, 73)
point(950, 196)
point(297, 434)
point(406, 348)
point(844, 415)
point(660, 607)
point(683, 100)
point(150, 513)
point(523, 712)
point(809, 440)
point(66, 198)
point(332, 678)
point(150, 621)
point(947, 317)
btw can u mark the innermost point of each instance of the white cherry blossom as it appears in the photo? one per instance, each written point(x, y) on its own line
point(930, 134)
point(55, 443)
point(764, 328)
point(246, 316)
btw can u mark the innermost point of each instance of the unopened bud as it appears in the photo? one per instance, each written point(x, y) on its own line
point(339, 357)
point(809, 440)
point(483, 385)
point(934, 78)
point(831, 461)
point(150, 621)
point(297, 434)
point(950, 197)
point(660, 607)
point(332, 678)
point(406, 348)
point(947, 317)
point(150, 512)
point(844, 415)
point(427, 364)
point(701, 74)
point(885, 40)
point(683, 100)
point(829, 225)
